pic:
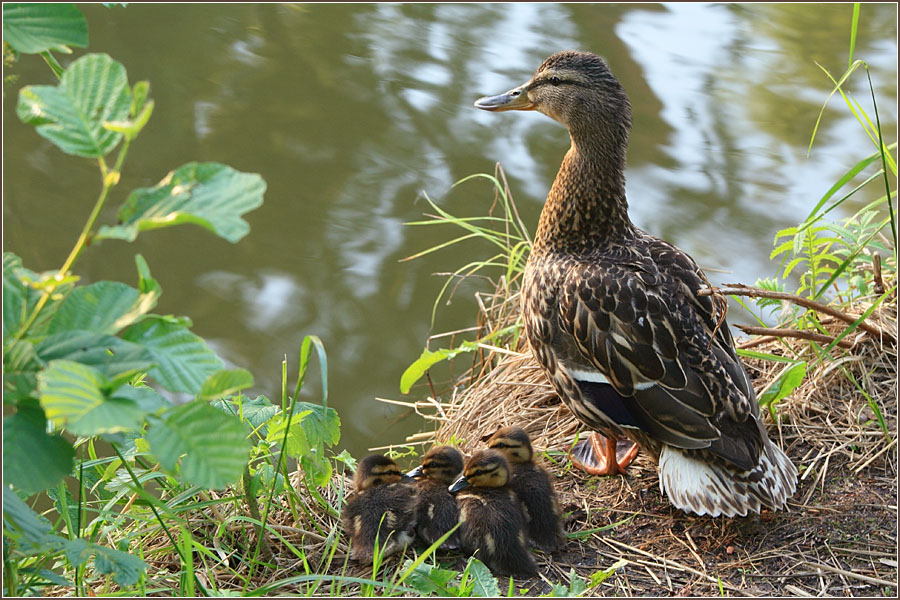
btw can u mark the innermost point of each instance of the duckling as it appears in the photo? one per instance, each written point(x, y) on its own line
point(616, 320)
point(383, 505)
point(491, 517)
point(437, 513)
point(533, 486)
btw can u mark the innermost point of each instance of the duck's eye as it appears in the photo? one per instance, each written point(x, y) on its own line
point(555, 80)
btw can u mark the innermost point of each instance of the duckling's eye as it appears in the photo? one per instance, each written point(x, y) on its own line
point(555, 80)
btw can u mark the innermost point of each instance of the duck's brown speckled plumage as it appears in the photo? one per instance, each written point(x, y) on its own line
point(614, 317)
point(380, 506)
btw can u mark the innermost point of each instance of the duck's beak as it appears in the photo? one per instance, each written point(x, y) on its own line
point(406, 479)
point(460, 484)
point(516, 99)
point(417, 472)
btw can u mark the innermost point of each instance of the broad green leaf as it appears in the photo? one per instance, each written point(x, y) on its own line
point(32, 459)
point(226, 382)
point(148, 400)
point(32, 28)
point(125, 568)
point(322, 425)
point(93, 90)
point(184, 361)
point(22, 288)
point(297, 444)
point(317, 467)
point(255, 412)
point(213, 445)
point(102, 307)
point(783, 386)
point(427, 360)
point(210, 195)
point(72, 397)
point(485, 583)
point(20, 368)
point(110, 355)
point(31, 531)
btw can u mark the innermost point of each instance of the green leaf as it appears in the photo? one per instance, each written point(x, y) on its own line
point(110, 355)
point(783, 386)
point(210, 195)
point(296, 444)
point(125, 568)
point(184, 361)
point(321, 424)
point(226, 382)
point(485, 583)
point(93, 90)
point(20, 368)
point(427, 360)
point(33, 460)
point(31, 531)
point(21, 292)
point(148, 400)
point(214, 444)
point(72, 397)
point(255, 412)
point(317, 467)
point(33, 28)
point(102, 307)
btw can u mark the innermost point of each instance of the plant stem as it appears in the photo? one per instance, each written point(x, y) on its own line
point(110, 179)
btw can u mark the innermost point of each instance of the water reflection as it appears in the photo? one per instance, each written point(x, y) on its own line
point(350, 111)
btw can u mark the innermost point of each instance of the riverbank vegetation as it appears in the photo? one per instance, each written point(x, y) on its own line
point(134, 464)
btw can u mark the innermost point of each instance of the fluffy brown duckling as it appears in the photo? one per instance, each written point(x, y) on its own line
point(437, 513)
point(619, 321)
point(533, 486)
point(383, 505)
point(491, 517)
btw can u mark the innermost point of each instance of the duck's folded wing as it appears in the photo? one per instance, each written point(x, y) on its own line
point(630, 335)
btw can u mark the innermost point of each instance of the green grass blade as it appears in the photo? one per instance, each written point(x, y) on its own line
point(837, 87)
point(853, 27)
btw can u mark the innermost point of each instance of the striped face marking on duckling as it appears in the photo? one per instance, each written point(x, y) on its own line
point(442, 464)
point(513, 443)
point(376, 469)
point(486, 469)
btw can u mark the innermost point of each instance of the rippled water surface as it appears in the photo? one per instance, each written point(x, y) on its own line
point(350, 111)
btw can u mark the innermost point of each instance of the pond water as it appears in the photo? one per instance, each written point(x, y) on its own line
point(350, 111)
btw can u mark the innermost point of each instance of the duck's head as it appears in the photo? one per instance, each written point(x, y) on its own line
point(575, 88)
point(486, 469)
point(377, 469)
point(442, 464)
point(513, 443)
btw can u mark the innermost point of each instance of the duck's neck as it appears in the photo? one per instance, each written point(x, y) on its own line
point(586, 206)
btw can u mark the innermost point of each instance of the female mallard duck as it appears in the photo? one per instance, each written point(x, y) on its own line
point(381, 506)
point(533, 486)
point(437, 513)
point(490, 516)
point(615, 318)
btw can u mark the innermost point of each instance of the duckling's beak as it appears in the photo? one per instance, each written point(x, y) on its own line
point(417, 472)
point(516, 99)
point(406, 478)
point(460, 484)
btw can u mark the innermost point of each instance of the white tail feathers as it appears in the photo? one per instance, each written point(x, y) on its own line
point(714, 488)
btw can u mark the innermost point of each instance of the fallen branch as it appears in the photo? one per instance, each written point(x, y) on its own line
point(739, 289)
point(794, 333)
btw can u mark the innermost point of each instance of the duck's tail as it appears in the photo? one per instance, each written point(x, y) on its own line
point(716, 489)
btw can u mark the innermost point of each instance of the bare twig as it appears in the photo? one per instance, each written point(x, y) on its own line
point(794, 333)
point(739, 289)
